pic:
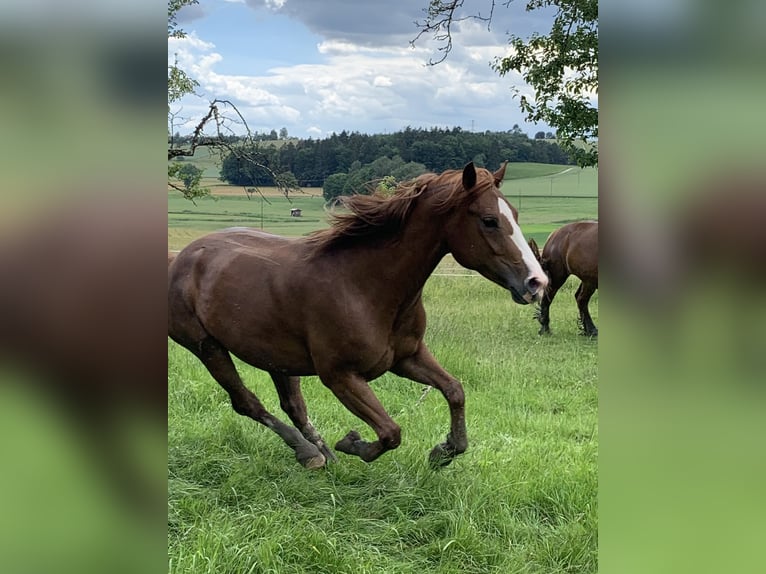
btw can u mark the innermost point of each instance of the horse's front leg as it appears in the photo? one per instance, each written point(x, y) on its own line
point(423, 368)
point(357, 396)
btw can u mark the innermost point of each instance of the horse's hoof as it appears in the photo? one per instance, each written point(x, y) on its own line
point(315, 462)
point(311, 460)
point(346, 444)
point(440, 457)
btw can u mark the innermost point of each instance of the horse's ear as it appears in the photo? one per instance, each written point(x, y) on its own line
point(500, 174)
point(535, 249)
point(469, 176)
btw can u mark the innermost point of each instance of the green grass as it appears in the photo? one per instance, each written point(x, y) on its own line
point(551, 180)
point(522, 499)
point(526, 170)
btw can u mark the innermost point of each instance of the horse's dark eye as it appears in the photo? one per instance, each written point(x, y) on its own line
point(489, 222)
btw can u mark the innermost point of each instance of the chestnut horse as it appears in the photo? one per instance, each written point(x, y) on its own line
point(570, 250)
point(345, 303)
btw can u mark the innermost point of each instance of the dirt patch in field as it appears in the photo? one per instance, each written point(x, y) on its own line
point(224, 189)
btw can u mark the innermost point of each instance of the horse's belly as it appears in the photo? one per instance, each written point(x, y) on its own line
point(291, 362)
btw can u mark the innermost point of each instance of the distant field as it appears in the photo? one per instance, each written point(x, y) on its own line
point(537, 197)
point(207, 160)
point(551, 180)
point(524, 170)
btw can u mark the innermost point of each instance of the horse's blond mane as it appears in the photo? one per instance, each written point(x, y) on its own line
point(382, 215)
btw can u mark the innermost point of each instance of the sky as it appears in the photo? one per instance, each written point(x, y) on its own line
point(318, 67)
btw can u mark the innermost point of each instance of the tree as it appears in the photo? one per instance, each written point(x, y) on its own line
point(560, 66)
point(283, 134)
point(179, 82)
point(334, 186)
point(540, 135)
point(189, 174)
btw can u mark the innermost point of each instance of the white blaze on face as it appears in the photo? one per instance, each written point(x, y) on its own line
point(533, 266)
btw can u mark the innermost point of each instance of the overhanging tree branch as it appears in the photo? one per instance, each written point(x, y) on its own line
point(440, 16)
point(245, 149)
point(561, 67)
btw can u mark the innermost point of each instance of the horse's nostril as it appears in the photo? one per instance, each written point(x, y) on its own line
point(532, 284)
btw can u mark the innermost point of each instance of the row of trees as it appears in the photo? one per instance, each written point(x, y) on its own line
point(313, 161)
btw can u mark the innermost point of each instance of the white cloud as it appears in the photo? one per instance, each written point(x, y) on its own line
point(338, 47)
point(343, 90)
point(190, 43)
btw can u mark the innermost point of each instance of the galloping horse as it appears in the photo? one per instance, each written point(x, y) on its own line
point(570, 250)
point(359, 284)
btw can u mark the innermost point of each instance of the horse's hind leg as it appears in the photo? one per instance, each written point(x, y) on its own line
point(218, 361)
point(582, 296)
point(292, 403)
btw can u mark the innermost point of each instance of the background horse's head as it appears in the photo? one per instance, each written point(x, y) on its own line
point(484, 235)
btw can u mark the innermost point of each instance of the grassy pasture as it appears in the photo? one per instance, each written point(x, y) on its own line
point(522, 499)
point(567, 181)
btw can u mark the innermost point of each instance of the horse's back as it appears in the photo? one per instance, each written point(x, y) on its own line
point(221, 247)
point(575, 246)
point(582, 255)
point(232, 261)
point(240, 287)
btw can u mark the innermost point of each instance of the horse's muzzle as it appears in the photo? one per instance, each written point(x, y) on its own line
point(535, 287)
point(525, 299)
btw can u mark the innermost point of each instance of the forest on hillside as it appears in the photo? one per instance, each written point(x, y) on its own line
point(312, 161)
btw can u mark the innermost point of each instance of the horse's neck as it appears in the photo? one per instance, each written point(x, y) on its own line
point(398, 271)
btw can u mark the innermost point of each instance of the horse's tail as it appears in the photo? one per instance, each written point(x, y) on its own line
point(535, 249)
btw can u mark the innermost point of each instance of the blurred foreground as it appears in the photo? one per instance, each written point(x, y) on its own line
point(82, 288)
point(683, 334)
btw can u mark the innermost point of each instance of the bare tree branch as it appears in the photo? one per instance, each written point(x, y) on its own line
point(245, 149)
point(440, 16)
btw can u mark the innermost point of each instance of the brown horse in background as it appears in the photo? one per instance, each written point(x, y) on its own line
point(570, 250)
point(346, 304)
